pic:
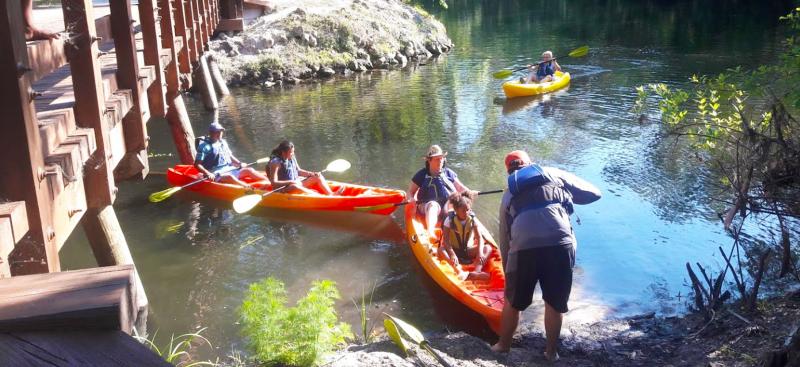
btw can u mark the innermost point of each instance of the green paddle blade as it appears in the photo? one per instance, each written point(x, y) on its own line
point(391, 329)
point(163, 194)
point(339, 165)
point(246, 203)
point(412, 332)
point(579, 52)
point(502, 74)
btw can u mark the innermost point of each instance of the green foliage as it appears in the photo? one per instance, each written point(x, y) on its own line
point(177, 351)
point(363, 310)
point(298, 336)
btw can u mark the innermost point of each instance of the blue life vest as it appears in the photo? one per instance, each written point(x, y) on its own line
point(545, 70)
point(288, 168)
point(436, 188)
point(213, 156)
point(532, 189)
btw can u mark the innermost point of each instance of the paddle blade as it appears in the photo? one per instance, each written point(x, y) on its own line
point(391, 329)
point(246, 203)
point(579, 52)
point(163, 194)
point(502, 74)
point(262, 160)
point(339, 165)
point(412, 332)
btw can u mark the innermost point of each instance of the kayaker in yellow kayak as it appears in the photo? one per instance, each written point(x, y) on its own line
point(542, 72)
point(283, 171)
point(462, 241)
point(215, 159)
point(431, 186)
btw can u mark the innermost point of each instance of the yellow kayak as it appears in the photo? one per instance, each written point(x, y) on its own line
point(515, 89)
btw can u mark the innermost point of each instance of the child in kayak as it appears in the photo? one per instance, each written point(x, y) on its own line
point(544, 71)
point(462, 241)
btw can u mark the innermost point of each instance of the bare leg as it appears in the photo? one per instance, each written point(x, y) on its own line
point(31, 32)
point(432, 210)
point(552, 329)
point(251, 173)
point(508, 325)
point(228, 178)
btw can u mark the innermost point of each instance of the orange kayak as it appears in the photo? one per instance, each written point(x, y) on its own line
point(351, 196)
point(484, 297)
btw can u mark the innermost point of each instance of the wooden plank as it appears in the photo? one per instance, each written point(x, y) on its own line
point(90, 101)
point(135, 129)
point(18, 217)
point(21, 139)
point(197, 37)
point(151, 31)
point(207, 26)
point(231, 25)
point(99, 299)
point(172, 45)
point(184, 57)
point(45, 57)
point(75, 348)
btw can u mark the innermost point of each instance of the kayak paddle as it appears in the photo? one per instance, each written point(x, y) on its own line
point(578, 52)
point(373, 208)
point(248, 202)
point(416, 336)
point(165, 194)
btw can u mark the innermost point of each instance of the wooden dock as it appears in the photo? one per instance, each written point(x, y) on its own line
point(76, 112)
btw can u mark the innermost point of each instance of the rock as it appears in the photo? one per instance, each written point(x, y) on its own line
point(357, 65)
point(326, 72)
point(401, 59)
point(267, 84)
point(291, 80)
point(299, 12)
point(309, 40)
point(362, 54)
point(305, 73)
point(433, 48)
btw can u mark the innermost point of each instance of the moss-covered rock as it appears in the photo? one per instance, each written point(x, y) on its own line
point(304, 39)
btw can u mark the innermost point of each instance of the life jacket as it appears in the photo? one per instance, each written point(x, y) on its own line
point(218, 157)
point(545, 70)
point(288, 169)
point(437, 188)
point(532, 189)
point(459, 234)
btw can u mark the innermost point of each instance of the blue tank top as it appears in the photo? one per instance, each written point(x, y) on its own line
point(287, 170)
point(213, 155)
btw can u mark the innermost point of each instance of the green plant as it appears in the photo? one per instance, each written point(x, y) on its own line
point(177, 351)
point(298, 336)
point(366, 324)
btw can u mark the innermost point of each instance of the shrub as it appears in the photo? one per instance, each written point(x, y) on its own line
point(299, 335)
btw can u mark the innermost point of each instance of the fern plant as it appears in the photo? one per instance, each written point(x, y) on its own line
point(297, 336)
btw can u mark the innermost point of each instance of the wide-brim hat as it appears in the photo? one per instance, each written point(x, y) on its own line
point(435, 151)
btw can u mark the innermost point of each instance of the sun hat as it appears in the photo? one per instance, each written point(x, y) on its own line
point(435, 151)
point(215, 127)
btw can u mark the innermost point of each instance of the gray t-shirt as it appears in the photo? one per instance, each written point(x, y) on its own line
point(548, 226)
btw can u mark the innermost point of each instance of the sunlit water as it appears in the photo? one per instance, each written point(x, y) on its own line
point(196, 257)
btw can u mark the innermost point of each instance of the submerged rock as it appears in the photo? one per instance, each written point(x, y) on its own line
point(341, 35)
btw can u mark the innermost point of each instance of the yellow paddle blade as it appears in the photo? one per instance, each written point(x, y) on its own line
point(579, 52)
point(502, 74)
point(391, 329)
point(163, 194)
point(339, 165)
point(412, 332)
point(373, 208)
point(246, 203)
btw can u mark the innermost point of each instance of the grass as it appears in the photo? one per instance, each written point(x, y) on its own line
point(177, 351)
point(363, 310)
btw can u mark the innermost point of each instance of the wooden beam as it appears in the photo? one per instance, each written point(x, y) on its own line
point(151, 31)
point(184, 63)
point(90, 107)
point(231, 25)
point(13, 225)
point(20, 139)
point(168, 38)
point(96, 298)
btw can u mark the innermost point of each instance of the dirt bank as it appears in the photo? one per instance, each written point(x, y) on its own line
point(308, 39)
point(643, 340)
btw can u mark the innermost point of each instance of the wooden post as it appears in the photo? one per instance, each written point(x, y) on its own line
point(178, 119)
point(135, 130)
point(197, 33)
point(219, 82)
point(207, 20)
point(181, 127)
point(108, 244)
point(90, 108)
point(152, 54)
point(24, 167)
point(184, 63)
point(168, 42)
point(206, 85)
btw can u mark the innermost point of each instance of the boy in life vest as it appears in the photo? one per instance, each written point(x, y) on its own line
point(544, 71)
point(462, 241)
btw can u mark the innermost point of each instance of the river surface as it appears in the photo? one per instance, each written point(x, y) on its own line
point(196, 257)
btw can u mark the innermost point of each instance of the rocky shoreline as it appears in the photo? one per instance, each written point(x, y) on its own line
point(306, 40)
point(768, 337)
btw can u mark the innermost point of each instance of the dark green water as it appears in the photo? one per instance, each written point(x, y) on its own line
point(196, 257)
